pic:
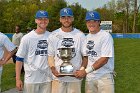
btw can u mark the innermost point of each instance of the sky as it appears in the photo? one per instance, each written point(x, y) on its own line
point(89, 4)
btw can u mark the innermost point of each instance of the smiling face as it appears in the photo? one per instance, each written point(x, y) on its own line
point(66, 21)
point(93, 26)
point(42, 23)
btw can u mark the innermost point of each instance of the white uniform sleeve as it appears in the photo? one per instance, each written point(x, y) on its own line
point(107, 49)
point(83, 45)
point(51, 49)
point(8, 44)
point(23, 48)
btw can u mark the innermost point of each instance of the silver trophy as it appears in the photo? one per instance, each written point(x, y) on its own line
point(66, 68)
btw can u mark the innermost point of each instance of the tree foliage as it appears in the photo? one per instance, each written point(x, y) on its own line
point(22, 12)
point(121, 12)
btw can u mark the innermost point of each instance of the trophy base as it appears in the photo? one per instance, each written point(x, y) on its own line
point(66, 74)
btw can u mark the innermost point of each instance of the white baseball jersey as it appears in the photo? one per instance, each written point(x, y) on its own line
point(99, 45)
point(5, 42)
point(34, 49)
point(17, 38)
point(60, 39)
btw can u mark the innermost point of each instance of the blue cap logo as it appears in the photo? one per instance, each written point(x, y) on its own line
point(66, 12)
point(92, 15)
point(41, 14)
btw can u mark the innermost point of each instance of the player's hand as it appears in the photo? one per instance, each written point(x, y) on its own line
point(80, 73)
point(54, 71)
point(19, 85)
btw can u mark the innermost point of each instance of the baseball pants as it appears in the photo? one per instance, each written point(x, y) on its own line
point(37, 88)
point(103, 85)
point(66, 87)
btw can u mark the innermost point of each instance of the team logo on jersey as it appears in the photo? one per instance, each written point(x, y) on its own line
point(90, 47)
point(41, 48)
point(66, 11)
point(42, 44)
point(67, 42)
point(91, 14)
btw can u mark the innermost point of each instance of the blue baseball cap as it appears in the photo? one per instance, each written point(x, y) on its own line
point(41, 14)
point(92, 15)
point(66, 12)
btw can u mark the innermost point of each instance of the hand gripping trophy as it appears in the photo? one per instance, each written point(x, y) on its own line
point(66, 68)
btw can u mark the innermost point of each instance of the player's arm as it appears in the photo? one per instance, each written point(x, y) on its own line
point(52, 65)
point(19, 63)
point(10, 47)
point(84, 62)
point(4, 60)
point(51, 54)
point(98, 64)
point(81, 73)
point(21, 55)
point(10, 54)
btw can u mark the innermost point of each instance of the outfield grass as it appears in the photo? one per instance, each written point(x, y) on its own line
point(127, 65)
point(127, 62)
point(8, 79)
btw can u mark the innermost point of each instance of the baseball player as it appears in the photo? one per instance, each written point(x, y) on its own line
point(66, 37)
point(100, 50)
point(5, 43)
point(32, 52)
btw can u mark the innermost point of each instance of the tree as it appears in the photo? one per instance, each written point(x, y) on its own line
point(79, 17)
point(135, 16)
point(127, 14)
point(53, 9)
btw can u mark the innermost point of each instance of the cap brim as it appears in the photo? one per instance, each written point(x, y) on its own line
point(66, 15)
point(93, 19)
point(42, 17)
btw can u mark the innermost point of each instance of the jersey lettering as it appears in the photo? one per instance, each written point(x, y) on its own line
point(42, 48)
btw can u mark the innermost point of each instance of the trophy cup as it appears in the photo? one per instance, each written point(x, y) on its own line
point(66, 68)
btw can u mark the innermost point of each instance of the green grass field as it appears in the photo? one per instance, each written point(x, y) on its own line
point(127, 66)
point(8, 79)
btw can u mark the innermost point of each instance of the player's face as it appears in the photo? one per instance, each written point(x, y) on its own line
point(66, 21)
point(42, 23)
point(17, 29)
point(93, 26)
